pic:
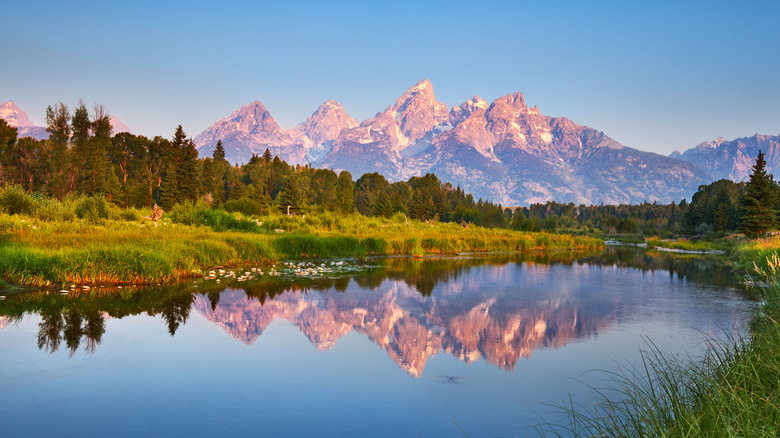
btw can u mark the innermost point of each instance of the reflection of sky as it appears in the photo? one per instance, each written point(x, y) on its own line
point(203, 383)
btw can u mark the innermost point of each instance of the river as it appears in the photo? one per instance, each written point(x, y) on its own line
point(385, 347)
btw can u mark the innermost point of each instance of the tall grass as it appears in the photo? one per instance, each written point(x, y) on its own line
point(89, 240)
point(733, 390)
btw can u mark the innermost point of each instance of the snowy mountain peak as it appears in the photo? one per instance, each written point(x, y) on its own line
point(117, 126)
point(325, 124)
point(14, 115)
point(18, 119)
point(421, 86)
point(250, 130)
point(465, 109)
point(417, 111)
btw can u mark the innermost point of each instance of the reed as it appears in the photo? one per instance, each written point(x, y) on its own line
point(90, 241)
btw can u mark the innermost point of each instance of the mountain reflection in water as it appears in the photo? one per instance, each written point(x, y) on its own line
point(499, 309)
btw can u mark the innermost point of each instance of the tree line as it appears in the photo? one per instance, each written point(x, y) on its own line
point(81, 157)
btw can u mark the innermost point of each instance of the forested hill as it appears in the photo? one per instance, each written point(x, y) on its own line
point(80, 157)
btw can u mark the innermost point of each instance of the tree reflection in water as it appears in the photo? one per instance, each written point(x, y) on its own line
point(397, 307)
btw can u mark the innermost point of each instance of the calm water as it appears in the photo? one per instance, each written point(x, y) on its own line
point(402, 348)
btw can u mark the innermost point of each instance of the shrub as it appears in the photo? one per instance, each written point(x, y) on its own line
point(15, 200)
point(245, 206)
point(92, 208)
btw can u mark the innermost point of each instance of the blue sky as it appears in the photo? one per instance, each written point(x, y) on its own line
point(653, 75)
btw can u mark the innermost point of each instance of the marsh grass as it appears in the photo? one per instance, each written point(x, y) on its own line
point(86, 240)
point(733, 390)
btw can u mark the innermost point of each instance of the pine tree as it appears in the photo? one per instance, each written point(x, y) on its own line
point(382, 205)
point(420, 207)
point(219, 152)
point(267, 155)
point(80, 148)
point(188, 177)
point(758, 201)
point(291, 196)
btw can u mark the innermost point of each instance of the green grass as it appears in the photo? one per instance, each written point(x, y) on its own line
point(732, 391)
point(113, 246)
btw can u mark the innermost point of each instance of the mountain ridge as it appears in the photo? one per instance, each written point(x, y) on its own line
point(504, 151)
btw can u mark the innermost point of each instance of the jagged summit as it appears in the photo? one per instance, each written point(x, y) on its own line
point(250, 130)
point(417, 111)
point(17, 118)
point(14, 115)
point(327, 122)
point(117, 126)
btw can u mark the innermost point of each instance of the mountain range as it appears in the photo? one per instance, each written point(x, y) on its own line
point(504, 151)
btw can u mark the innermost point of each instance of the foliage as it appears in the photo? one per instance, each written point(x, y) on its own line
point(759, 201)
point(92, 208)
point(15, 200)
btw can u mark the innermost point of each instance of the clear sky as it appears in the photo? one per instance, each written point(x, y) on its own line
point(653, 75)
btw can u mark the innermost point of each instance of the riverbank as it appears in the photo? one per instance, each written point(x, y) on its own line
point(134, 250)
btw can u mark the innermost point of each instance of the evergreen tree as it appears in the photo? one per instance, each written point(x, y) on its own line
point(758, 200)
point(188, 177)
point(79, 140)
point(382, 205)
point(291, 196)
point(170, 186)
point(418, 208)
point(219, 152)
point(94, 158)
point(267, 155)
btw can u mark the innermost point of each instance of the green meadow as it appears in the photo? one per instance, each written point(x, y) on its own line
point(85, 240)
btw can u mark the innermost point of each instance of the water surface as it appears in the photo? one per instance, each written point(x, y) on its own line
point(401, 348)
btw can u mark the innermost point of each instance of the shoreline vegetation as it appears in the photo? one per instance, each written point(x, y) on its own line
point(87, 241)
point(732, 390)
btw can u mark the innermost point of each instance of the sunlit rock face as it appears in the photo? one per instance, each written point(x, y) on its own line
point(412, 327)
point(18, 119)
point(250, 130)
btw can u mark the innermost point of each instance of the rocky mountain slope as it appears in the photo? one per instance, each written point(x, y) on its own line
point(505, 151)
point(250, 130)
point(19, 120)
point(734, 159)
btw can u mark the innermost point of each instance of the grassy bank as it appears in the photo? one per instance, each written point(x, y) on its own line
point(732, 391)
point(122, 247)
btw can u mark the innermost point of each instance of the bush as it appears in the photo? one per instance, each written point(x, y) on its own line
point(219, 220)
point(131, 214)
point(245, 206)
point(15, 200)
point(92, 208)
